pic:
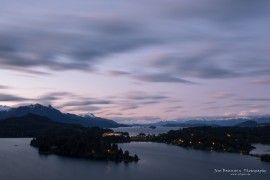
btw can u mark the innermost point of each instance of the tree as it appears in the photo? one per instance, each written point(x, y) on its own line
point(120, 152)
point(115, 147)
point(126, 154)
point(136, 158)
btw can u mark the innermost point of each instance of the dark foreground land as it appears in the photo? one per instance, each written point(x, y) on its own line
point(225, 139)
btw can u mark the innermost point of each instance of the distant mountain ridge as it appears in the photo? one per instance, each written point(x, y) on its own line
point(248, 123)
point(57, 116)
point(212, 122)
point(4, 108)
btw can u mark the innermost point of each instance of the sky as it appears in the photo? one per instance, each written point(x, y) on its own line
point(137, 61)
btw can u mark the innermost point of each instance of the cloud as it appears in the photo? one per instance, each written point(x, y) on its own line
point(210, 102)
point(261, 81)
point(220, 11)
point(4, 87)
point(250, 112)
point(52, 97)
point(236, 105)
point(129, 107)
point(212, 108)
point(118, 73)
point(222, 95)
point(200, 63)
point(151, 77)
point(258, 106)
point(210, 39)
point(173, 108)
point(8, 97)
point(254, 99)
point(150, 102)
point(114, 114)
point(82, 109)
point(216, 40)
point(141, 96)
point(45, 44)
point(25, 57)
point(87, 102)
point(133, 100)
point(166, 78)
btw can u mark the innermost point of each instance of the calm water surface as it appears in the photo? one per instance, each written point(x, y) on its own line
point(19, 161)
point(260, 149)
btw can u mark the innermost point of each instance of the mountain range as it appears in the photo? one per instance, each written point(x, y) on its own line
point(240, 121)
point(88, 120)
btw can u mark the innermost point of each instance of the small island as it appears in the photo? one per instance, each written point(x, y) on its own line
point(152, 127)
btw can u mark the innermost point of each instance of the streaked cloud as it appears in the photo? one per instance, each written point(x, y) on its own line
point(151, 77)
point(255, 99)
point(167, 78)
point(261, 81)
point(9, 97)
point(129, 107)
point(173, 108)
point(209, 102)
point(4, 87)
point(237, 105)
point(87, 102)
point(82, 109)
point(258, 106)
point(117, 73)
point(140, 95)
point(222, 95)
point(82, 42)
point(250, 112)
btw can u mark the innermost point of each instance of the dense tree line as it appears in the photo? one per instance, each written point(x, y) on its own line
point(265, 157)
point(229, 139)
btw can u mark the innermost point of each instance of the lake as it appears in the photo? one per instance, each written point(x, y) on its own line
point(20, 161)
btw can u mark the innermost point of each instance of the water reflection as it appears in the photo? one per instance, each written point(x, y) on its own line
point(260, 149)
point(107, 168)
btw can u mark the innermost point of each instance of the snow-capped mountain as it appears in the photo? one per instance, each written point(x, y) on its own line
point(5, 108)
point(91, 115)
point(56, 115)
